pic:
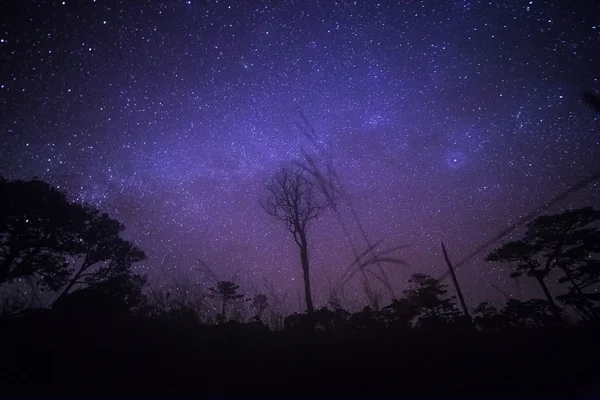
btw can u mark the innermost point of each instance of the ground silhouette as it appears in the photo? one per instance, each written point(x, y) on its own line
point(103, 334)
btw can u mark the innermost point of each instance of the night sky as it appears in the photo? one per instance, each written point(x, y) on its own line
point(445, 121)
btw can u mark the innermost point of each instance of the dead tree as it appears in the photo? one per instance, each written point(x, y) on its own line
point(293, 199)
point(456, 285)
point(328, 182)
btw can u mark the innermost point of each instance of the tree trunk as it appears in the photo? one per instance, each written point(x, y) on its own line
point(83, 268)
point(306, 275)
point(589, 308)
point(456, 286)
point(555, 309)
point(66, 289)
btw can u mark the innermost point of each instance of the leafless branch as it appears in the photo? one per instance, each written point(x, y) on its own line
point(332, 189)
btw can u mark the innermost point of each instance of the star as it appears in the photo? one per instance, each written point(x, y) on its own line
point(442, 120)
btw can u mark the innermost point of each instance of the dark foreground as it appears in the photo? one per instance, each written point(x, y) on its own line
point(44, 356)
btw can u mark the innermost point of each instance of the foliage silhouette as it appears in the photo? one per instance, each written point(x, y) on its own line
point(400, 313)
point(533, 313)
point(530, 313)
point(565, 241)
point(569, 242)
point(101, 254)
point(429, 296)
point(226, 291)
point(60, 244)
point(488, 318)
point(37, 232)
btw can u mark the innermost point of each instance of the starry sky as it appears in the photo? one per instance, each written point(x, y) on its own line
point(444, 120)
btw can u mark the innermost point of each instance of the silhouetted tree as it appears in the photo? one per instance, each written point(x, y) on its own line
point(568, 242)
point(563, 241)
point(366, 320)
point(61, 244)
point(523, 253)
point(293, 199)
point(534, 313)
point(583, 275)
point(118, 294)
point(100, 253)
point(400, 313)
point(227, 292)
point(429, 296)
point(127, 287)
point(37, 231)
point(331, 320)
point(299, 323)
point(488, 318)
point(531, 313)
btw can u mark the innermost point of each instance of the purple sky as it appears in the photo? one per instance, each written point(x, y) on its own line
point(447, 121)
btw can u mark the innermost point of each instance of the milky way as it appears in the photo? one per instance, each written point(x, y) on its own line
point(445, 121)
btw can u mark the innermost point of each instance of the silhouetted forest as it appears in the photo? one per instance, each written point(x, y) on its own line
point(78, 321)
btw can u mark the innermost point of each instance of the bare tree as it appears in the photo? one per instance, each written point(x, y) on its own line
point(328, 182)
point(293, 199)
